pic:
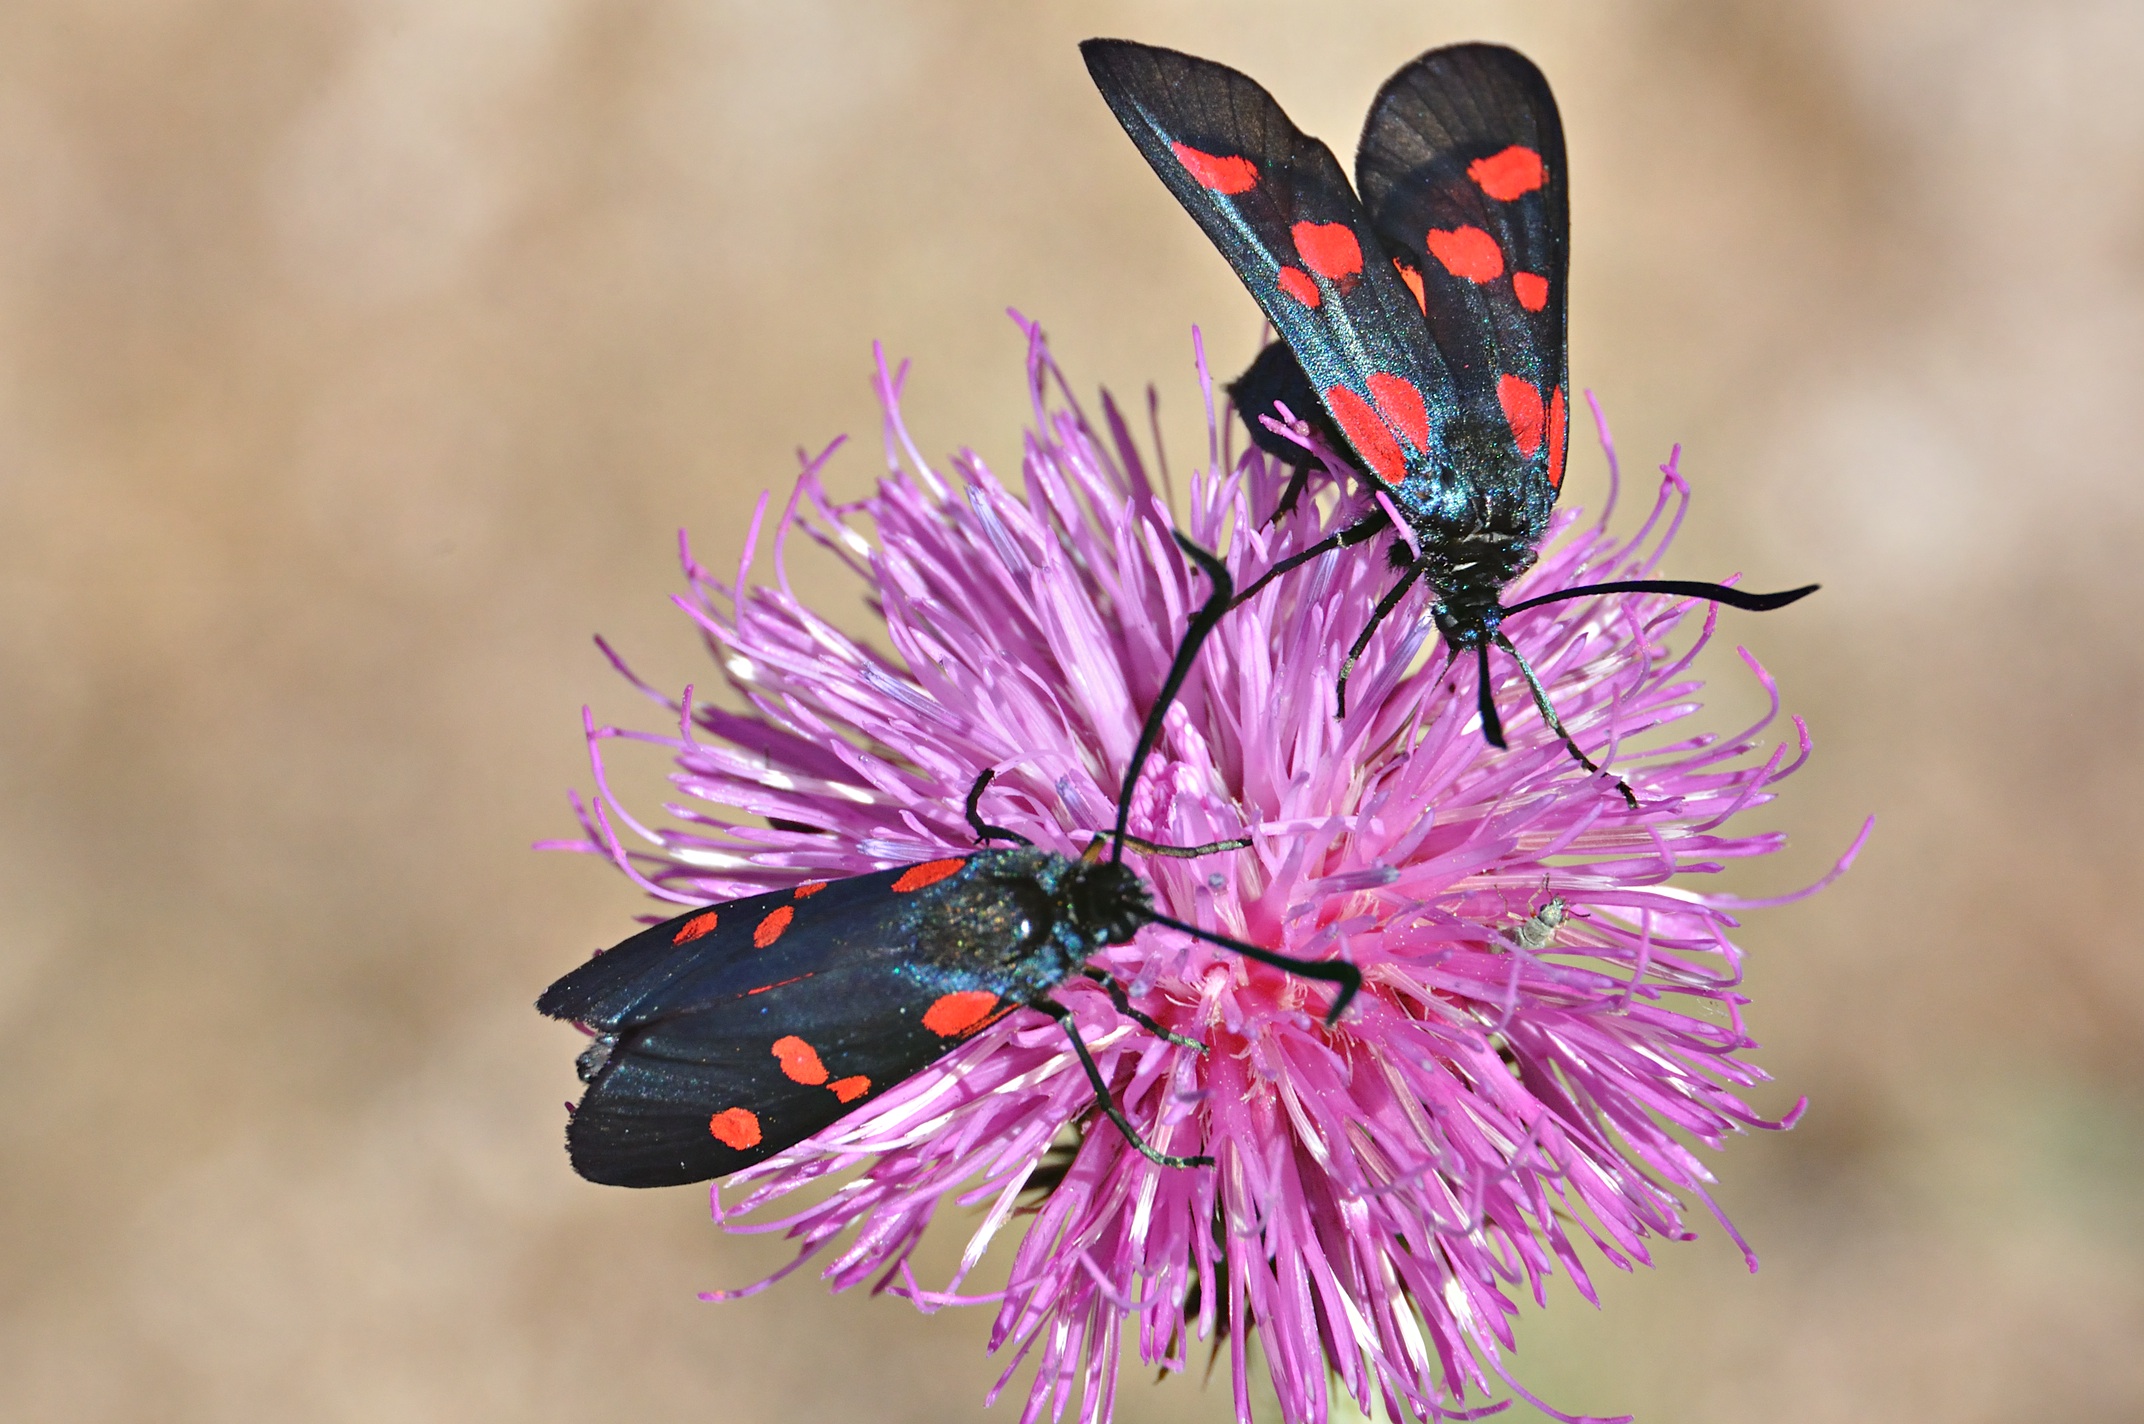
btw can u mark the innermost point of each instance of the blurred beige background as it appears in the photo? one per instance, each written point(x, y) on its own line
point(358, 361)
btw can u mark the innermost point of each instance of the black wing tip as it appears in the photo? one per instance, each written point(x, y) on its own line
point(1485, 49)
point(602, 1150)
point(1105, 57)
point(590, 992)
point(565, 999)
point(1484, 52)
point(1105, 47)
point(606, 1171)
point(1110, 62)
point(1456, 66)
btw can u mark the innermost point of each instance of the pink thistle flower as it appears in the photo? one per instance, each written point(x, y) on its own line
point(1547, 1011)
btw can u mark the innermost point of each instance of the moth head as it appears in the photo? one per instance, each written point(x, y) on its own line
point(1465, 622)
point(1107, 902)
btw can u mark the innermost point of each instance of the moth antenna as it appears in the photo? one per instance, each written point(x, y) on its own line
point(1202, 623)
point(1548, 713)
point(1687, 588)
point(984, 831)
point(1332, 971)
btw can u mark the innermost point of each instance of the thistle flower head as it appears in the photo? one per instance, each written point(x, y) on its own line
point(1550, 1009)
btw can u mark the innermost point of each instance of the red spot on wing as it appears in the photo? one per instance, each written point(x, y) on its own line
point(800, 1061)
point(1400, 403)
point(808, 889)
point(849, 1089)
point(1365, 430)
point(1413, 279)
point(776, 985)
point(1467, 252)
point(735, 1127)
point(928, 873)
point(1329, 249)
point(1297, 284)
point(693, 928)
point(1511, 174)
point(1521, 400)
point(1531, 289)
point(1558, 420)
point(962, 1011)
point(1223, 173)
point(770, 929)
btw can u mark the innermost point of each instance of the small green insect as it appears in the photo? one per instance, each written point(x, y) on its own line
point(1537, 930)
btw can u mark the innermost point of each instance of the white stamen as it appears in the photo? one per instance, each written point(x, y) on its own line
point(709, 859)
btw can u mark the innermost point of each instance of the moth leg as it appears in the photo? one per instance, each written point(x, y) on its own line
point(1492, 726)
point(1333, 971)
point(1108, 1104)
point(1385, 605)
point(1290, 495)
point(1093, 852)
point(1548, 715)
point(1123, 1002)
point(1366, 528)
point(984, 831)
point(1147, 847)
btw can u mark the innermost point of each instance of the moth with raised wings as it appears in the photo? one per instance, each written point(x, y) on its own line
point(1422, 324)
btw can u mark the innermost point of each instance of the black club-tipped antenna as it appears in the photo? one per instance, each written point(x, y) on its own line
point(1687, 588)
point(1202, 623)
point(1338, 972)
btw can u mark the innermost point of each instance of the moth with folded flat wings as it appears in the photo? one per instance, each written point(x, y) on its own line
point(736, 1030)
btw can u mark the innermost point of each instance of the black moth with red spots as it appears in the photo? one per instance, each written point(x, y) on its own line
point(1422, 325)
point(736, 1030)
point(727, 1034)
